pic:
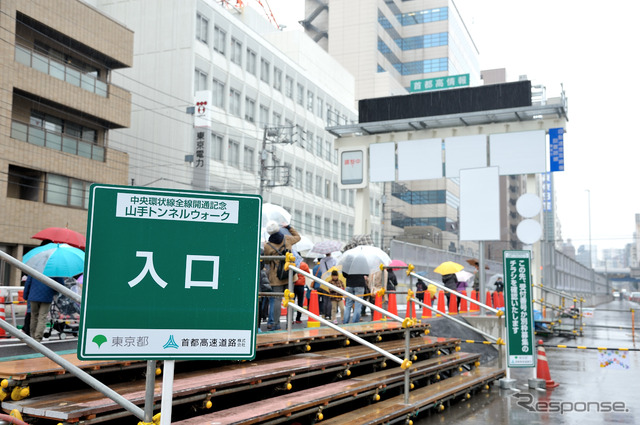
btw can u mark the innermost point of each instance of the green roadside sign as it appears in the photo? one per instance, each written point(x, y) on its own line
point(518, 308)
point(170, 274)
point(439, 83)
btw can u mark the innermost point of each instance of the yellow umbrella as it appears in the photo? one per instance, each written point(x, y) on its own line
point(448, 267)
point(327, 276)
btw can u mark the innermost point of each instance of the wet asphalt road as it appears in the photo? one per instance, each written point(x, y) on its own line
point(587, 394)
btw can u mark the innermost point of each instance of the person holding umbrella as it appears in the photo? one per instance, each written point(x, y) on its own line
point(39, 296)
point(55, 261)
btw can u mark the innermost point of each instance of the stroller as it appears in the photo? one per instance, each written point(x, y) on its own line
point(65, 312)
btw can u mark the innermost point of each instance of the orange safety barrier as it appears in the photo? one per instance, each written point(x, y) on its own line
point(441, 303)
point(393, 305)
point(427, 300)
point(411, 309)
point(315, 309)
point(488, 300)
point(463, 303)
point(376, 314)
point(474, 296)
point(3, 333)
point(543, 367)
point(453, 304)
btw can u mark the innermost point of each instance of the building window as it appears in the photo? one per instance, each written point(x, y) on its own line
point(62, 135)
point(24, 183)
point(200, 80)
point(218, 93)
point(307, 222)
point(309, 101)
point(234, 153)
point(276, 119)
point(343, 197)
point(319, 143)
point(264, 70)
point(343, 231)
point(327, 227)
point(423, 16)
point(217, 147)
point(66, 191)
point(317, 224)
point(351, 197)
point(327, 189)
point(329, 115)
point(264, 116)
point(298, 179)
point(288, 87)
point(309, 182)
point(219, 40)
point(320, 107)
point(202, 28)
point(336, 194)
point(277, 79)
point(327, 150)
point(249, 159)
point(236, 51)
point(234, 102)
point(350, 230)
point(249, 109)
point(318, 185)
point(335, 229)
point(252, 61)
point(300, 95)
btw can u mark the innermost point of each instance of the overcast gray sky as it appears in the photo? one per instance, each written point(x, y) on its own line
point(590, 48)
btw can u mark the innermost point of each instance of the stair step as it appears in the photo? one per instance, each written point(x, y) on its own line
point(308, 401)
point(419, 399)
point(230, 378)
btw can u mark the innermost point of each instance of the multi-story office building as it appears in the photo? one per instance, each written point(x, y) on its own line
point(58, 107)
point(259, 78)
point(387, 44)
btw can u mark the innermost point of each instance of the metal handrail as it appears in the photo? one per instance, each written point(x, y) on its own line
point(347, 294)
point(499, 341)
point(458, 294)
point(406, 323)
point(141, 414)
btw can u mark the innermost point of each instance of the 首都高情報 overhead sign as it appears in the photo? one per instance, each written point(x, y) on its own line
point(170, 274)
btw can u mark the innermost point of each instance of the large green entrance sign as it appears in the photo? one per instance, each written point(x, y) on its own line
point(518, 308)
point(170, 275)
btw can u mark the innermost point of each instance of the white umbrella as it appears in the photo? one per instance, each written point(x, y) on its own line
point(363, 259)
point(326, 247)
point(304, 244)
point(493, 279)
point(464, 276)
point(275, 213)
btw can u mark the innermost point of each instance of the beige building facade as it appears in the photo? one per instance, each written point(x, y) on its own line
point(57, 108)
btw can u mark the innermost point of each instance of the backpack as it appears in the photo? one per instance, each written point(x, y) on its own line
point(281, 273)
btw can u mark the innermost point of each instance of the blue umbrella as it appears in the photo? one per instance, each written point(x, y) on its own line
point(56, 260)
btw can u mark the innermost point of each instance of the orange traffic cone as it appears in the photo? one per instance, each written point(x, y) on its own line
point(427, 300)
point(501, 294)
point(315, 309)
point(411, 309)
point(453, 304)
point(474, 296)
point(487, 299)
point(3, 333)
point(463, 303)
point(496, 300)
point(393, 305)
point(376, 314)
point(441, 303)
point(543, 367)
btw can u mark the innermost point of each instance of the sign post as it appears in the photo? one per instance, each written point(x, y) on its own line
point(170, 275)
point(519, 311)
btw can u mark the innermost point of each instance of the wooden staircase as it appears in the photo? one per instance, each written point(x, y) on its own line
point(302, 376)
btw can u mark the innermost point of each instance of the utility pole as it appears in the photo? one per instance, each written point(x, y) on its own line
point(280, 174)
